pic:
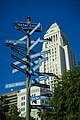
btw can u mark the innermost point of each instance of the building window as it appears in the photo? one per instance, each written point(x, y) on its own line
point(55, 51)
point(45, 45)
point(56, 37)
point(22, 103)
point(23, 98)
point(42, 101)
point(22, 109)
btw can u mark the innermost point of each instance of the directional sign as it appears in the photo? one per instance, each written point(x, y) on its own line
point(44, 96)
point(18, 68)
point(41, 78)
point(22, 70)
point(42, 73)
point(40, 85)
point(39, 54)
point(42, 107)
point(32, 46)
point(26, 26)
point(41, 40)
point(18, 59)
point(15, 84)
point(37, 66)
point(24, 60)
point(15, 42)
point(40, 60)
point(16, 46)
point(19, 52)
point(17, 62)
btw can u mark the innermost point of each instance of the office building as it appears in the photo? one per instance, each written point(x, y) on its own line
point(61, 57)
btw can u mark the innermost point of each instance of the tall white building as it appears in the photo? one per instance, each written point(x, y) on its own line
point(60, 59)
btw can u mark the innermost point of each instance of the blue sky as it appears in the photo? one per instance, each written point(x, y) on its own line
point(65, 12)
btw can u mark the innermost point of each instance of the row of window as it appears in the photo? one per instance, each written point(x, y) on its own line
point(54, 38)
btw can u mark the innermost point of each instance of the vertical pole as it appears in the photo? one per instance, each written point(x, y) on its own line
point(28, 77)
point(28, 80)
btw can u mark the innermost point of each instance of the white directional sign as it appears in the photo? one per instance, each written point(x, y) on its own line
point(32, 46)
point(15, 42)
point(39, 54)
point(24, 26)
point(15, 84)
point(37, 66)
point(40, 97)
point(41, 40)
point(16, 70)
point(40, 85)
point(41, 107)
point(39, 63)
point(45, 77)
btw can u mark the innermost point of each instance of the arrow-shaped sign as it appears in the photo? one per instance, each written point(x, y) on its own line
point(40, 85)
point(19, 52)
point(15, 42)
point(42, 74)
point(20, 60)
point(36, 42)
point(41, 40)
point(16, 46)
point(41, 107)
point(39, 54)
point(24, 26)
point(45, 77)
point(37, 66)
point(20, 69)
point(15, 84)
point(44, 96)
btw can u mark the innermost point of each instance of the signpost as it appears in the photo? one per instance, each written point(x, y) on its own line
point(41, 107)
point(40, 85)
point(39, 54)
point(29, 28)
point(44, 96)
point(15, 84)
point(25, 26)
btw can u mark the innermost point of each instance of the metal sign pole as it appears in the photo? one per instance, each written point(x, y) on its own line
point(28, 77)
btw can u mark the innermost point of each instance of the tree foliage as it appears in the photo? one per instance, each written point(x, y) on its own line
point(3, 107)
point(66, 98)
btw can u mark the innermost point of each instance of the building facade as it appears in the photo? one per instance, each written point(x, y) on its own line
point(11, 97)
point(61, 58)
